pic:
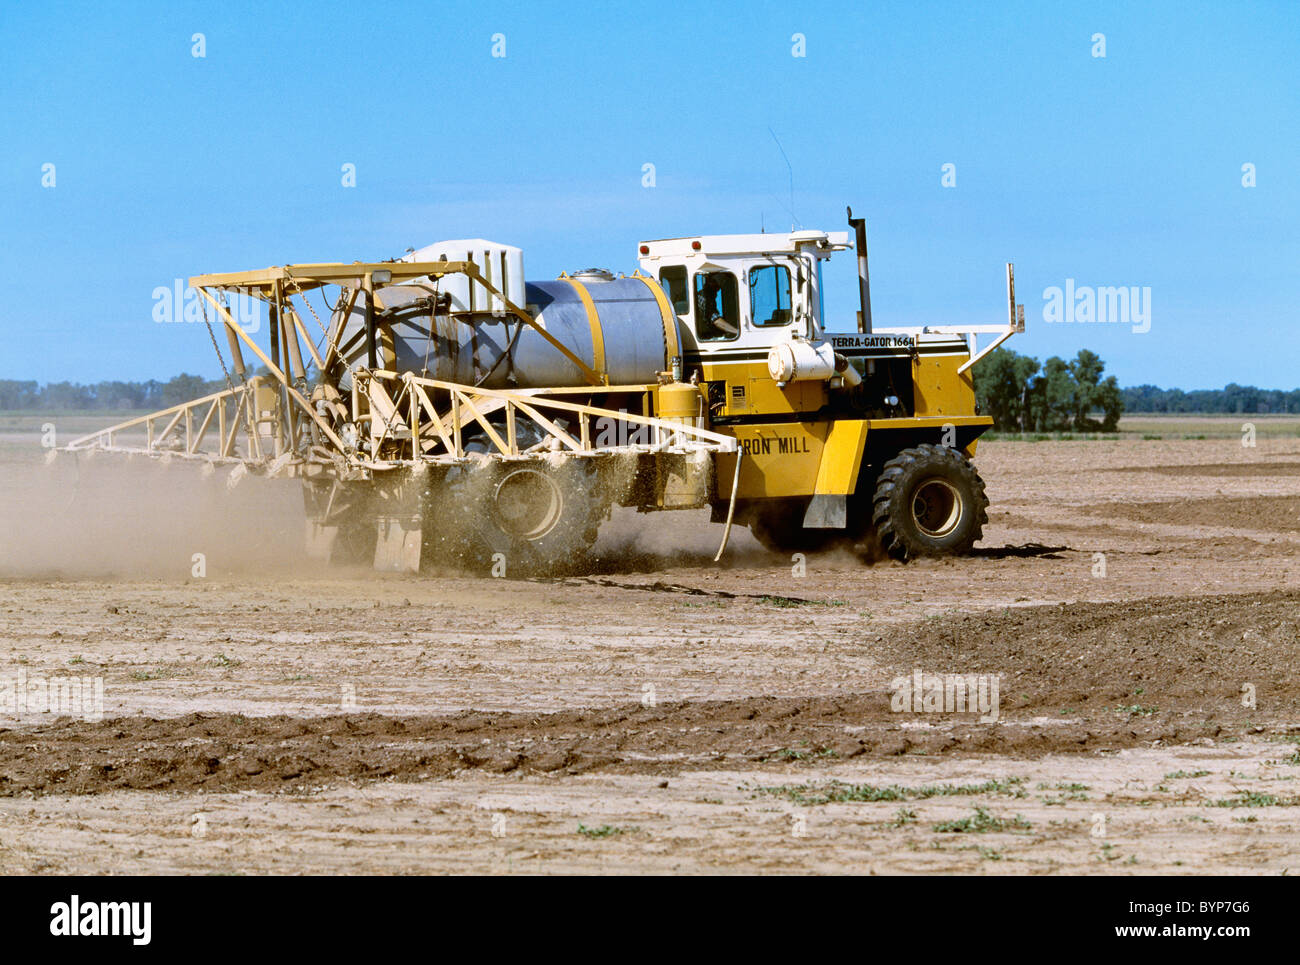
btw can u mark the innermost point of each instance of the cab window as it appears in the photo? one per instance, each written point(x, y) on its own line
point(673, 281)
point(717, 306)
point(769, 295)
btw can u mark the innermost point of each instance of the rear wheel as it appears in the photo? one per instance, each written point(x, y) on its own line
point(929, 501)
point(541, 515)
point(527, 503)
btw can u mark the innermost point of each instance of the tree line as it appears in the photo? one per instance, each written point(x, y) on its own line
point(1057, 396)
point(1232, 398)
point(108, 395)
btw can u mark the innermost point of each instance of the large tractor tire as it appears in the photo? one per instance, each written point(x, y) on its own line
point(541, 515)
point(929, 501)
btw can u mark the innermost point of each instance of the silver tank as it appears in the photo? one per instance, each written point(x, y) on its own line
point(479, 349)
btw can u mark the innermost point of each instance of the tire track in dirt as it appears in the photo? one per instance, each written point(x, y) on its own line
point(1075, 677)
point(222, 752)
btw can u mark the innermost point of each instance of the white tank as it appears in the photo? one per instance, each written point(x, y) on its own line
point(501, 265)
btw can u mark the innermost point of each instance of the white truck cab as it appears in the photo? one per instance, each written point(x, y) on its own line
point(738, 295)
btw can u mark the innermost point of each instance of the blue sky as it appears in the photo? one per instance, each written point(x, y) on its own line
point(1122, 170)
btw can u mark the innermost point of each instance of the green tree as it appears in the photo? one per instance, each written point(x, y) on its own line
point(1092, 394)
point(183, 388)
point(1110, 400)
point(18, 395)
point(1059, 397)
point(1002, 381)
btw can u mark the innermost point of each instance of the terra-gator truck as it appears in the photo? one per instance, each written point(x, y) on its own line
point(446, 408)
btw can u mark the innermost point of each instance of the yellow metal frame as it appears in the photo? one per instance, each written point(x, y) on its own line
point(265, 282)
point(412, 414)
point(388, 408)
point(404, 423)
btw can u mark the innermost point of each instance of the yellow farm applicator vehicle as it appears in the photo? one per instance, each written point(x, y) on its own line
point(445, 407)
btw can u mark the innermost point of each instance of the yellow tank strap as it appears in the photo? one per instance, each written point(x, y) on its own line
point(597, 331)
point(387, 347)
point(666, 310)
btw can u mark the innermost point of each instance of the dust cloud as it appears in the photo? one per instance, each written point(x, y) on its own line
point(110, 515)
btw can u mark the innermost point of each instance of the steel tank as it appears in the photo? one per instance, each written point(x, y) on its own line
point(621, 327)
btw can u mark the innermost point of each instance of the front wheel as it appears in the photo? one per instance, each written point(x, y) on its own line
point(929, 501)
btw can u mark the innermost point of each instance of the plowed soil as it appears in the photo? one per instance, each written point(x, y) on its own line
point(662, 713)
point(1252, 513)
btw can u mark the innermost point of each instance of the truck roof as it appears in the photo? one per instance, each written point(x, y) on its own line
point(743, 244)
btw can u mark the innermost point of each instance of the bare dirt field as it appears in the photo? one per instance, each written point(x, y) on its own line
point(1136, 601)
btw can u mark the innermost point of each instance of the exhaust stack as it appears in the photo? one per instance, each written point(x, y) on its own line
point(859, 226)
